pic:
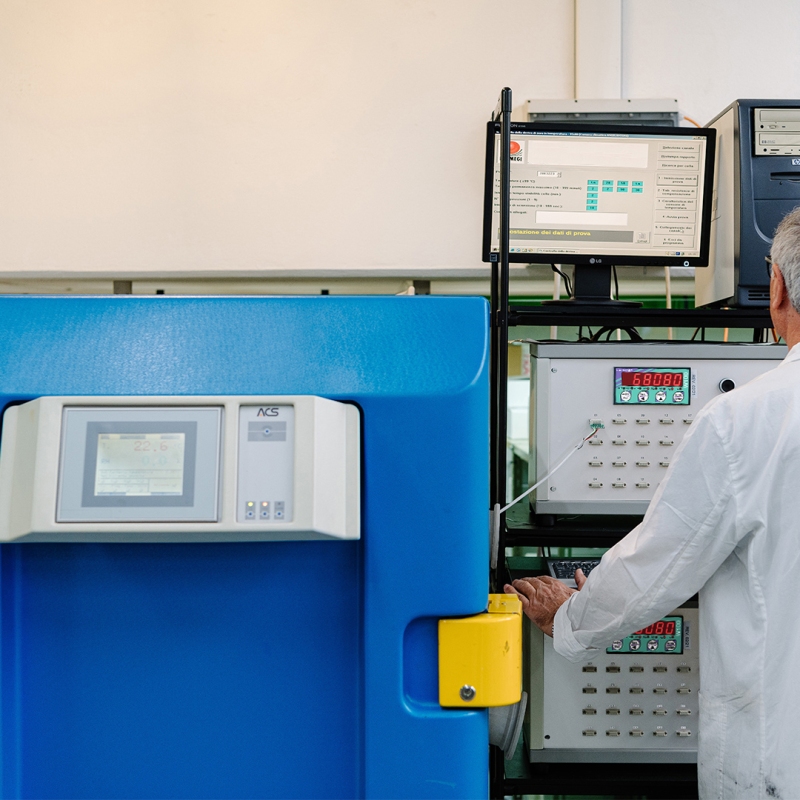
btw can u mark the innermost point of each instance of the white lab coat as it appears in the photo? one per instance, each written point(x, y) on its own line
point(725, 521)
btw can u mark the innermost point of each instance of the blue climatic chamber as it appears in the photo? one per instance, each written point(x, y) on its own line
point(269, 669)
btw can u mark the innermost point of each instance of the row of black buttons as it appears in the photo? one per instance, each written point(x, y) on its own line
point(636, 690)
point(637, 732)
point(613, 668)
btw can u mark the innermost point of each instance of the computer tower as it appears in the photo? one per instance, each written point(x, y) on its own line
point(757, 184)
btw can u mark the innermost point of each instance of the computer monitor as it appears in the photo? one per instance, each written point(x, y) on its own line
point(602, 195)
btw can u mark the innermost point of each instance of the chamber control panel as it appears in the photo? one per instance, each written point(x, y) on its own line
point(635, 702)
point(266, 464)
point(643, 398)
point(178, 469)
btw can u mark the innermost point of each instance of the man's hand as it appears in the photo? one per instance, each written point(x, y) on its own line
point(542, 597)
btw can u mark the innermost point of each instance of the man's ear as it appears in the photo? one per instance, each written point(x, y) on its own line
point(778, 294)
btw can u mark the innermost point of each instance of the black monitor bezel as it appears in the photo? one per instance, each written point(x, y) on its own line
point(602, 259)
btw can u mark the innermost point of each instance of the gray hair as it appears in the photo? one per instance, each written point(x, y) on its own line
point(785, 253)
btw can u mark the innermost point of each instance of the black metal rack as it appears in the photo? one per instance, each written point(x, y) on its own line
point(520, 527)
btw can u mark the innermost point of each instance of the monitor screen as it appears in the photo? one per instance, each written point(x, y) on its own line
point(603, 194)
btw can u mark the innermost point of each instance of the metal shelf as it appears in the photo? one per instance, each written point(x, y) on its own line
point(525, 529)
point(626, 316)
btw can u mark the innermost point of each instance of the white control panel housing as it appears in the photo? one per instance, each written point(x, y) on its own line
point(619, 469)
point(178, 469)
point(618, 707)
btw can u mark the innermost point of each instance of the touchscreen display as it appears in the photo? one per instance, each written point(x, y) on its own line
point(139, 464)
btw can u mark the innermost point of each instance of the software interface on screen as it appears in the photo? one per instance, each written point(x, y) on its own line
point(623, 194)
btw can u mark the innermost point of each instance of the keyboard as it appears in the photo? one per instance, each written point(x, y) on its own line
point(563, 569)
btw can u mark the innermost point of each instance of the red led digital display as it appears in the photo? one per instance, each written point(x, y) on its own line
point(661, 628)
point(672, 379)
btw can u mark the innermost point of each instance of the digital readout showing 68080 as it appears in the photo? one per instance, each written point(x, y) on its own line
point(664, 636)
point(652, 386)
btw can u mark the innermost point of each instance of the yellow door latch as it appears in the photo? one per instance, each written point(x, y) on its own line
point(480, 657)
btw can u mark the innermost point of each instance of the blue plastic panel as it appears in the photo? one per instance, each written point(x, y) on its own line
point(301, 669)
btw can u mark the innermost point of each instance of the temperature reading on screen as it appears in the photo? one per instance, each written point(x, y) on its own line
point(139, 464)
point(639, 378)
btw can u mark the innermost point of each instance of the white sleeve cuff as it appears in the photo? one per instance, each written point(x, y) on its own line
point(564, 640)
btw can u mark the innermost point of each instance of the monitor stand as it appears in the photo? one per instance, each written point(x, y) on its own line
point(591, 286)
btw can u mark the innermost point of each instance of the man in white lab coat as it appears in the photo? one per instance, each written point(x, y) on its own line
point(725, 521)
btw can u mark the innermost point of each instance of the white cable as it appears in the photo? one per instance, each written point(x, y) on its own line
point(494, 513)
point(556, 467)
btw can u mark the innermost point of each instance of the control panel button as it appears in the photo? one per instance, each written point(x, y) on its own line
point(637, 732)
point(589, 668)
point(619, 463)
point(684, 732)
point(590, 732)
point(636, 711)
point(619, 441)
point(590, 690)
point(612, 711)
point(642, 485)
point(684, 668)
point(595, 485)
point(612, 732)
point(618, 484)
point(595, 463)
point(666, 421)
point(612, 689)
point(659, 668)
point(589, 711)
point(636, 668)
point(642, 463)
point(643, 421)
point(613, 668)
point(642, 442)
point(636, 690)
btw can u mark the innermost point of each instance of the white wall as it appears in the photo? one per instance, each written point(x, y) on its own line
point(222, 137)
point(211, 135)
point(707, 53)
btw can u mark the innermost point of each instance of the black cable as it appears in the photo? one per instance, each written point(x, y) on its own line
point(635, 336)
point(567, 281)
point(616, 282)
point(696, 331)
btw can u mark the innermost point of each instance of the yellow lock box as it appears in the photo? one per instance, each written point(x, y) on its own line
point(480, 657)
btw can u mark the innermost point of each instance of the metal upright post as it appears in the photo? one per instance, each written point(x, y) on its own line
point(499, 383)
point(499, 349)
